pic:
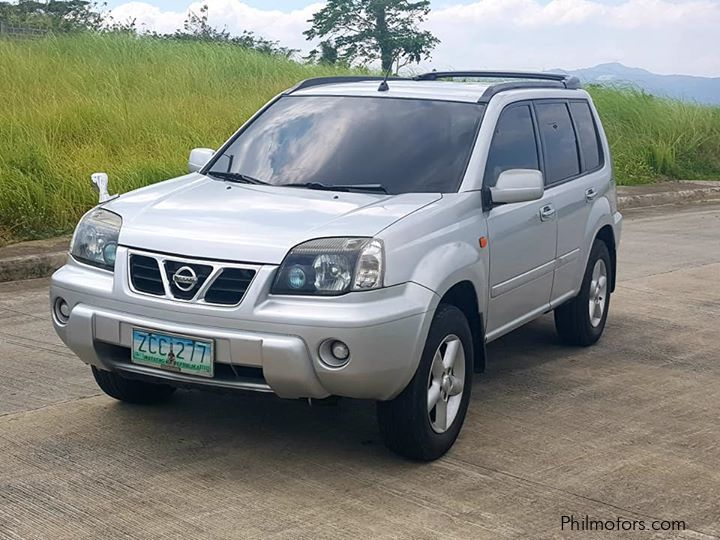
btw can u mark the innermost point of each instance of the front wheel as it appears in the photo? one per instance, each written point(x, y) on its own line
point(581, 321)
point(129, 390)
point(423, 422)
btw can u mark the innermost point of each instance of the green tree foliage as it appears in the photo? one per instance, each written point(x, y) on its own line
point(55, 15)
point(325, 55)
point(64, 16)
point(369, 30)
point(198, 28)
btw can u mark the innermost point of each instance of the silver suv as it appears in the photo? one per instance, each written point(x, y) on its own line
point(357, 237)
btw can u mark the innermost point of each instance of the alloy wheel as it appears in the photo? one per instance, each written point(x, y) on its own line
point(598, 293)
point(445, 383)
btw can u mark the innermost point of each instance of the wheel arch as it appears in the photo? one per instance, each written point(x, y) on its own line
point(607, 236)
point(463, 296)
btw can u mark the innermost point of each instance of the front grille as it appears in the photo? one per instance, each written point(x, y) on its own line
point(200, 271)
point(222, 284)
point(230, 286)
point(145, 275)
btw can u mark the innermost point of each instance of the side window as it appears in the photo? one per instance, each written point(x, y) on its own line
point(558, 137)
point(513, 145)
point(587, 133)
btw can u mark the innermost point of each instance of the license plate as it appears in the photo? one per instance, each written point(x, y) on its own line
point(172, 352)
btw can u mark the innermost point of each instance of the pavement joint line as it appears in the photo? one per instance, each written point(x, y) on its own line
point(34, 340)
point(684, 269)
point(465, 465)
point(16, 312)
point(684, 300)
point(11, 415)
point(35, 347)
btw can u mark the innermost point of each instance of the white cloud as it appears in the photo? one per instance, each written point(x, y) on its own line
point(665, 36)
point(234, 15)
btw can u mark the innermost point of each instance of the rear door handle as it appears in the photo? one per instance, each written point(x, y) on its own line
point(547, 212)
point(590, 194)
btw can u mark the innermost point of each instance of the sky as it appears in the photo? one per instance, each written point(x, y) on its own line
point(663, 36)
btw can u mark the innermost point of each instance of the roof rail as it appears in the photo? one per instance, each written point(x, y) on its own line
point(321, 81)
point(541, 76)
point(525, 80)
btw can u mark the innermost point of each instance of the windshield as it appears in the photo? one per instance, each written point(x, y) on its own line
point(402, 145)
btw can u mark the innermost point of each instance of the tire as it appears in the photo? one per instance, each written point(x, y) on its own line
point(129, 390)
point(406, 425)
point(573, 320)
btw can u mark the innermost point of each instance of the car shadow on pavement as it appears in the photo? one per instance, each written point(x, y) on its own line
point(211, 423)
point(531, 345)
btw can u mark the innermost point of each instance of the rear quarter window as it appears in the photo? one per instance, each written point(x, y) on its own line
point(587, 134)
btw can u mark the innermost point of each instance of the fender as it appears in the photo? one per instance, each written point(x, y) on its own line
point(467, 265)
point(438, 246)
point(600, 215)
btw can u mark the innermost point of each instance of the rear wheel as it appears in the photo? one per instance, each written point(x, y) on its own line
point(425, 419)
point(129, 390)
point(581, 321)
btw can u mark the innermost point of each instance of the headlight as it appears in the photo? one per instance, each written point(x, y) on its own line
point(96, 238)
point(331, 267)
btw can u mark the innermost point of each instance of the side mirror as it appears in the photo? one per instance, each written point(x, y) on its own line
point(518, 185)
point(198, 158)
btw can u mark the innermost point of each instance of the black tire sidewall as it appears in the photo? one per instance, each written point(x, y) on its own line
point(599, 251)
point(407, 428)
point(130, 390)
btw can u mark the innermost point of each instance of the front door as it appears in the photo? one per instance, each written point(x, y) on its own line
point(522, 236)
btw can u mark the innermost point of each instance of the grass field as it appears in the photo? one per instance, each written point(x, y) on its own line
point(135, 107)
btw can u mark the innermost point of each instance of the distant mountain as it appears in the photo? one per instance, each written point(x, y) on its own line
point(685, 87)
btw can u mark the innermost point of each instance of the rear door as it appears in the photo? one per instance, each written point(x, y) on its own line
point(573, 163)
point(522, 236)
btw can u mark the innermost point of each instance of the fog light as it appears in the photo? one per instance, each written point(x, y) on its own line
point(61, 309)
point(339, 350)
point(334, 353)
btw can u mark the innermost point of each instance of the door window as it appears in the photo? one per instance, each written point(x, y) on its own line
point(513, 145)
point(587, 134)
point(559, 143)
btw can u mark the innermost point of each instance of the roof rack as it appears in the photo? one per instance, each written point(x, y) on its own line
point(525, 80)
point(540, 76)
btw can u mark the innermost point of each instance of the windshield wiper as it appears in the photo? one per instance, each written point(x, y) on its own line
point(375, 188)
point(237, 177)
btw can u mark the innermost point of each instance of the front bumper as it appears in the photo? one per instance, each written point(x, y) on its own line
point(267, 343)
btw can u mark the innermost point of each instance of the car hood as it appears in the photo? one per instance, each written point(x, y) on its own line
point(195, 216)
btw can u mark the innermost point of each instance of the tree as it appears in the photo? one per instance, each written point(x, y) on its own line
point(369, 30)
point(326, 55)
point(56, 15)
point(197, 27)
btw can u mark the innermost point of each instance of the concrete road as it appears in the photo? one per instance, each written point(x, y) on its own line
point(626, 429)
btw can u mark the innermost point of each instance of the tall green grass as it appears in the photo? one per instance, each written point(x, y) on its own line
point(653, 138)
point(132, 107)
point(73, 105)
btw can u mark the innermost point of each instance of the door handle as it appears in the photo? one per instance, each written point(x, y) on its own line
point(590, 194)
point(547, 212)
